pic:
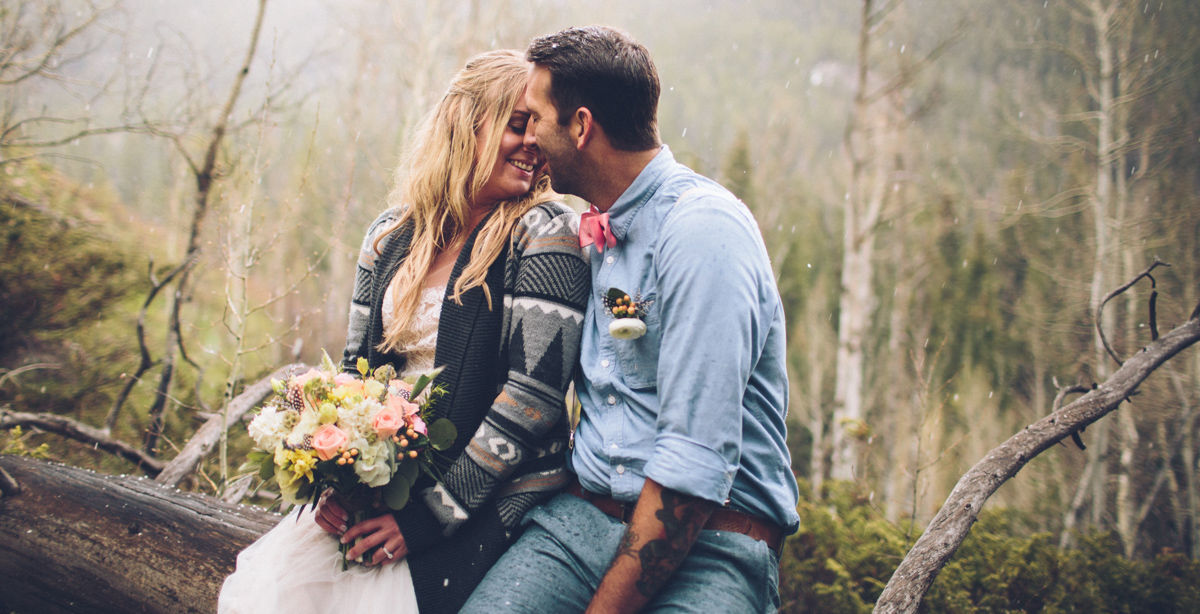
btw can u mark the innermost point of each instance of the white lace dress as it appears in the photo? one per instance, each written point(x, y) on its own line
point(296, 567)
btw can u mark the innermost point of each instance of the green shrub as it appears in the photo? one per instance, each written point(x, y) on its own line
point(845, 553)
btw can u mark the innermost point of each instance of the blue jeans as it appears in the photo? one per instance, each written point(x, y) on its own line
point(568, 544)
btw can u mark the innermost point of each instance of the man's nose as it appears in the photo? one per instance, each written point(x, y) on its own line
point(530, 138)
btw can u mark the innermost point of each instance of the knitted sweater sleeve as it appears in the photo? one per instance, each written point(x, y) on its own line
point(505, 457)
point(360, 300)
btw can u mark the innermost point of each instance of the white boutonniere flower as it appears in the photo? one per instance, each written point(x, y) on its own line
point(627, 312)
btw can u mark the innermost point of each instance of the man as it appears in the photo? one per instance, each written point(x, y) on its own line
point(684, 491)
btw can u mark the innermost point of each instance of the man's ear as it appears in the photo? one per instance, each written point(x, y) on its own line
point(583, 127)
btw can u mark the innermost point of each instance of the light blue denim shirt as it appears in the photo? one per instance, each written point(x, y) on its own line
point(697, 403)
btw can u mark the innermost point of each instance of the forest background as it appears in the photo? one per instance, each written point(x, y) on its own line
point(947, 189)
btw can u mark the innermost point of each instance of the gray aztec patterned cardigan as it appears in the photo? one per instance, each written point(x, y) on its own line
point(506, 371)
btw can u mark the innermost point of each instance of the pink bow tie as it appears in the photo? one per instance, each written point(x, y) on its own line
point(594, 229)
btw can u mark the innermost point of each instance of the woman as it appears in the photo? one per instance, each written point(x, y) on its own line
point(477, 271)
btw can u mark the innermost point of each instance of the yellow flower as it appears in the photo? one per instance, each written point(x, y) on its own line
point(303, 462)
point(373, 389)
point(363, 366)
point(328, 414)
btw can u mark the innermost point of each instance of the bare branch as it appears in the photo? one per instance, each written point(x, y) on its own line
point(1127, 285)
point(73, 429)
point(40, 64)
point(147, 363)
point(946, 532)
point(13, 373)
point(210, 433)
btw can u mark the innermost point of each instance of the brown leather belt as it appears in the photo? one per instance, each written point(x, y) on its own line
point(721, 519)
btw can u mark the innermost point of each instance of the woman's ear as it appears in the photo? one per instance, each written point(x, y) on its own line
point(583, 127)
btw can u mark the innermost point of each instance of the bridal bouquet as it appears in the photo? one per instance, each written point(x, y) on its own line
point(366, 438)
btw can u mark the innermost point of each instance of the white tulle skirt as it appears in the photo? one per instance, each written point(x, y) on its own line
point(296, 569)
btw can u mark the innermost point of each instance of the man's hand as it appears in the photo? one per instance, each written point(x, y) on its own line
point(665, 525)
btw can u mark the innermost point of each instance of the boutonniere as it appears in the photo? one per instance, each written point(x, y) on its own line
point(627, 313)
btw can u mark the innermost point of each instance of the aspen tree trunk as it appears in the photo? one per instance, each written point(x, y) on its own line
point(1127, 523)
point(1101, 202)
point(864, 202)
point(1095, 478)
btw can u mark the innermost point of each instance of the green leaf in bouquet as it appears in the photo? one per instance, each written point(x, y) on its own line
point(266, 467)
point(615, 293)
point(327, 363)
point(442, 434)
point(427, 469)
point(409, 470)
point(396, 491)
point(423, 381)
point(306, 491)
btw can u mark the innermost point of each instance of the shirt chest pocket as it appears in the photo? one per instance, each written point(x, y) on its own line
point(638, 358)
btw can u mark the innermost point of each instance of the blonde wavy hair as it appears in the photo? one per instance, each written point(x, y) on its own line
point(444, 167)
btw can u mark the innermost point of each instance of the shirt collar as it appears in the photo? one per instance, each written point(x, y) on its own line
point(623, 212)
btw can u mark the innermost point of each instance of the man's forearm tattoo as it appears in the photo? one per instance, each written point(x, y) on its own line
point(682, 517)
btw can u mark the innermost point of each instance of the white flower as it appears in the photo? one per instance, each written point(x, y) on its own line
point(267, 428)
point(356, 419)
point(627, 328)
point(372, 465)
point(309, 421)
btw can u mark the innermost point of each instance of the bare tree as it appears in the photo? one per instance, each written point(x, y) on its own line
point(911, 580)
point(38, 42)
point(206, 173)
point(873, 146)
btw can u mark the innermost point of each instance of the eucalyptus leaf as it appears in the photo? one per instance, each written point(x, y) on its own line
point(395, 492)
point(266, 467)
point(306, 491)
point(409, 469)
point(442, 434)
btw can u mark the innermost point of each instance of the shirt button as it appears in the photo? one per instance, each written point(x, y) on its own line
point(612, 400)
point(609, 259)
point(604, 363)
point(614, 446)
point(621, 469)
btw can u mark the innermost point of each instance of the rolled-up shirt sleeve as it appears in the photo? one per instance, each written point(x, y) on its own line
point(707, 302)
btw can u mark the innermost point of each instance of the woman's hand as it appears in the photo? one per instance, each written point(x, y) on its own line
point(378, 531)
point(331, 513)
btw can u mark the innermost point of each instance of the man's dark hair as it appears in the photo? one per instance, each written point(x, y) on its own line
point(608, 72)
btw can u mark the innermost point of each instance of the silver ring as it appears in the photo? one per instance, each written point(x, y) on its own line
point(389, 554)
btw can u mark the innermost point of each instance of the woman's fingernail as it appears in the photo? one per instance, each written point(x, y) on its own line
point(343, 528)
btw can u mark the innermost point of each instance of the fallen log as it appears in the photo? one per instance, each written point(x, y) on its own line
point(72, 540)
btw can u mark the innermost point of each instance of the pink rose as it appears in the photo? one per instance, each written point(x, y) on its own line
point(299, 381)
point(418, 425)
point(343, 378)
point(328, 440)
point(388, 421)
point(403, 407)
